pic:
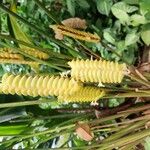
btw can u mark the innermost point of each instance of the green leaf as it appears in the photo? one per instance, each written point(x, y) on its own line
point(12, 129)
point(144, 6)
point(131, 9)
point(145, 33)
point(19, 34)
point(83, 4)
point(131, 38)
point(71, 7)
point(120, 46)
point(104, 6)
point(147, 15)
point(131, 1)
point(119, 10)
point(137, 20)
point(108, 37)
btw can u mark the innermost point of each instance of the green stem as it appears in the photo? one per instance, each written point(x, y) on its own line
point(127, 122)
point(129, 94)
point(131, 146)
point(137, 109)
point(125, 140)
point(139, 80)
point(24, 103)
point(101, 120)
point(88, 50)
point(39, 133)
point(120, 114)
point(125, 131)
point(52, 137)
point(46, 10)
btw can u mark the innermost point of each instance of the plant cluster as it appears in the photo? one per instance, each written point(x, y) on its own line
point(56, 56)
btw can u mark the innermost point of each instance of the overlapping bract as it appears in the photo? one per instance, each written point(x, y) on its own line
point(85, 94)
point(67, 90)
point(38, 85)
point(100, 71)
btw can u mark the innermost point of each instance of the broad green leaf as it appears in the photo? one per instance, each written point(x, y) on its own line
point(83, 4)
point(137, 20)
point(104, 6)
point(144, 6)
point(71, 7)
point(129, 55)
point(131, 1)
point(19, 34)
point(108, 37)
point(131, 9)
point(145, 34)
point(147, 16)
point(12, 129)
point(119, 10)
point(131, 38)
point(120, 46)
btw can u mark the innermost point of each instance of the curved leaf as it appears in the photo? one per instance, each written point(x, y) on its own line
point(104, 6)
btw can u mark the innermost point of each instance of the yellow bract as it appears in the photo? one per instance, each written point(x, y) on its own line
point(100, 71)
point(38, 85)
point(85, 94)
point(67, 89)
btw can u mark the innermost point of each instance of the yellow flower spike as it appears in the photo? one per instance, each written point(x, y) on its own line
point(100, 71)
point(85, 94)
point(6, 49)
point(36, 53)
point(7, 55)
point(76, 34)
point(31, 51)
point(16, 61)
point(37, 85)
